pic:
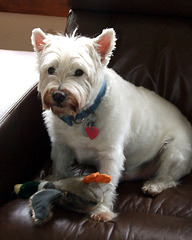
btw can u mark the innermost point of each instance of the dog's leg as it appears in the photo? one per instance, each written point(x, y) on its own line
point(175, 162)
point(62, 159)
point(111, 164)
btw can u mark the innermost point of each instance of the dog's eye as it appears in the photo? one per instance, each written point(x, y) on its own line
point(78, 73)
point(51, 70)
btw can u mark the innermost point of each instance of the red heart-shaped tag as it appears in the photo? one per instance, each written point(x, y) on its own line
point(92, 132)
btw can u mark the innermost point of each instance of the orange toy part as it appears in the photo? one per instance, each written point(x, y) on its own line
point(97, 177)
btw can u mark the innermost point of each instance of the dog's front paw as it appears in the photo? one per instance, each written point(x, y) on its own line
point(103, 216)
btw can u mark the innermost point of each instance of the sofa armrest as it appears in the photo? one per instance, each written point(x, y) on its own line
point(24, 144)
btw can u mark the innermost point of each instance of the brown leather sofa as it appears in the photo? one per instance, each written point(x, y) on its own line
point(154, 49)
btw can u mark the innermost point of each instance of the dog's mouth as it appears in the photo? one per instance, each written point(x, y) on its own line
point(61, 102)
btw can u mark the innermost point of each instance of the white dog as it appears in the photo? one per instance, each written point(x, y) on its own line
point(95, 116)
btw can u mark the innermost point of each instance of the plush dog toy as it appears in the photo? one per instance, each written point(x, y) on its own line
point(80, 194)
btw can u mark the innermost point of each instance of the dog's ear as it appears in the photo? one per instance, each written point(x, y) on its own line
point(37, 39)
point(105, 44)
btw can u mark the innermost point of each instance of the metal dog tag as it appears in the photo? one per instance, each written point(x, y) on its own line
point(90, 129)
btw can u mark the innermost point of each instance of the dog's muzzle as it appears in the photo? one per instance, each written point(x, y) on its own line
point(61, 102)
point(59, 96)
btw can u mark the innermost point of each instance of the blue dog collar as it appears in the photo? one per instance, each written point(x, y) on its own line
point(85, 113)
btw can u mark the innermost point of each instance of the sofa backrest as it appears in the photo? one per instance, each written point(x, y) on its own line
point(154, 46)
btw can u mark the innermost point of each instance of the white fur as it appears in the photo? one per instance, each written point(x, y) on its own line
point(134, 123)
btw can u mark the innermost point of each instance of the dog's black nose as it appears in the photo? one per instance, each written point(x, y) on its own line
point(58, 96)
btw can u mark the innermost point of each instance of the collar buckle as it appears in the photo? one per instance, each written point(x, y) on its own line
point(78, 121)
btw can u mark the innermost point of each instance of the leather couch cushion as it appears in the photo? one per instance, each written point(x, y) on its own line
point(140, 217)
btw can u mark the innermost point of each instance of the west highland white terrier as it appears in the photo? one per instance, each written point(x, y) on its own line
point(96, 117)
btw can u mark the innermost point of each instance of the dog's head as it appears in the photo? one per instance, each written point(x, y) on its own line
point(71, 69)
